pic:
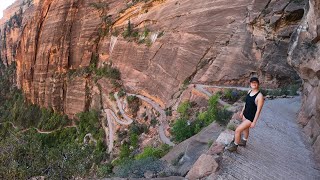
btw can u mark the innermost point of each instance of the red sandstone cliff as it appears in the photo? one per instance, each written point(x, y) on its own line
point(210, 42)
point(304, 57)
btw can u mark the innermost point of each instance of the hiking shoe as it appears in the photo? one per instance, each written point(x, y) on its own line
point(242, 142)
point(232, 147)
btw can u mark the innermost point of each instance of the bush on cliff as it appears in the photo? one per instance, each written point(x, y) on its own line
point(183, 128)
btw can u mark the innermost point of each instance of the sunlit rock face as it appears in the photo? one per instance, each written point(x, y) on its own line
point(177, 42)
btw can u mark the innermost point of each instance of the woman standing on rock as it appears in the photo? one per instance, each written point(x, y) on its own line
point(249, 115)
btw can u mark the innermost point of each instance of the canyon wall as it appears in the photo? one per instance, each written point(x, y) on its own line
point(304, 57)
point(173, 43)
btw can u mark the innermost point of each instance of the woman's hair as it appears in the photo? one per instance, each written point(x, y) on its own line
point(254, 79)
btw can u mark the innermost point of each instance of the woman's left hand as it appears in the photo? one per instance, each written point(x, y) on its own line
point(253, 125)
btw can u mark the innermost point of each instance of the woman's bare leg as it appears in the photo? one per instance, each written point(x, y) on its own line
point(246, 133)
point(244, 125)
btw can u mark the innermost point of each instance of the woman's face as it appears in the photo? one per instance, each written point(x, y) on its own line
point(254, 85)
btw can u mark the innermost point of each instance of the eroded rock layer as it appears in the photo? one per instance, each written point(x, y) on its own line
point(173, 43)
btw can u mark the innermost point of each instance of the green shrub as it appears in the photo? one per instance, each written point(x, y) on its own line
point(50, 120)
point(94, 62)
point(104, 170)
point(223, 115)
point(5, 130)
point(146, 32)
point(138, 129)
point(134, 140)
point(210, 142)
point(198, 127)
point(89, 123)
point(232, 95)
point(293, 89)
point(213, 113)
point(290, 90)
point(135, 34)
point(186, 82)
point(121, 93)
point(128, 31)
point(109, 72)
point(153, 152)
point(181, 130)
point(137, 168)
point(213, 107)
point(228, 94)
point(59, 138)
point(125, 151)
point(204, 117)
point(183, 109)
point(153, 122)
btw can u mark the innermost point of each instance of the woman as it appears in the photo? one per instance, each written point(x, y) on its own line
point(249, 115)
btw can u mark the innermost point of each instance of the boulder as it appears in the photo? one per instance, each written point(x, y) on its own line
point(216, 148)
point(204, 166)
point(225, 137)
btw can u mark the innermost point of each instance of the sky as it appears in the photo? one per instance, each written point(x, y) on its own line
point(4, 4)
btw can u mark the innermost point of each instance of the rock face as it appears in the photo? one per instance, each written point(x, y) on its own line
point(304, 57)
point(220, 42)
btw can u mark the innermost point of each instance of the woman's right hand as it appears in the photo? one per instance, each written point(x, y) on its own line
point(241, 115)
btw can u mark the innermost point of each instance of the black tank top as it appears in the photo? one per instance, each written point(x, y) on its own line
point(250, 107)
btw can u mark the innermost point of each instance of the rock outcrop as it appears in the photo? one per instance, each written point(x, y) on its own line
point(172, 43)
point(304, 57)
